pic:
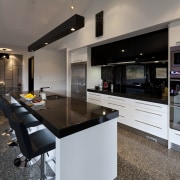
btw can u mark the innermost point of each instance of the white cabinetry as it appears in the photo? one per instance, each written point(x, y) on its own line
point(151, 118)
point(174, 137)
point(79, 55)
point(96, 98)
point(146, 116)
point(124, 105)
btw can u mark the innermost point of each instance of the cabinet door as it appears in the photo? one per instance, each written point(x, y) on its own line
point(79, 55)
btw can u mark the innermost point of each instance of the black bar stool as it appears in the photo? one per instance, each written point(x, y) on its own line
point(35, 144)
point(28, 119)
point(7, 113)
point(1, 100)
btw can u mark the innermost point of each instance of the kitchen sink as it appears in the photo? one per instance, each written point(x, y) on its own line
point(54, 97)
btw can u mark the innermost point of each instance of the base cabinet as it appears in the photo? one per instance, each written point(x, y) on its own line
point(146, 116)
point(174, 138)
point(151, 118)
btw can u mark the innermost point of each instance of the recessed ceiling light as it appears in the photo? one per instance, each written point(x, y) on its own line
point(72, 7)
point(5, 49)
point(73, 29)
point(140, 54)
point(122, 50)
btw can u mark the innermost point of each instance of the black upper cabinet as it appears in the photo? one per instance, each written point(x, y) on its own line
point(146, 47)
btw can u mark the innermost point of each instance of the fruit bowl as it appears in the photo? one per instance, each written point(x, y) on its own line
point(28, 97)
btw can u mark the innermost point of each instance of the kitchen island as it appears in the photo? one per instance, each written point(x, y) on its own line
point(86, 137)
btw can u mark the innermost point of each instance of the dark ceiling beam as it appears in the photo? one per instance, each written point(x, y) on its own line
point(64, 29)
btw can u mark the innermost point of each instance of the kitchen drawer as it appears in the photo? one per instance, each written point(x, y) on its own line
point(96, 98)
point(94, 101)
point(174, 136)
point(124, 119)
point(159, 131)
point(151, 106)
point(121, 104)
point(151, 117)
point(117, 106)
point(116, 100)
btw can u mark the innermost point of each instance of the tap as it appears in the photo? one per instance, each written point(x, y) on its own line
point(42, 88)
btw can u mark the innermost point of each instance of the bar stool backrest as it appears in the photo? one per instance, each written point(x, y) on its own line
point(22, 137)
point(7, 112)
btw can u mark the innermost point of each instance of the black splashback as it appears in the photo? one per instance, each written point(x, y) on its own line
point(107, 73)
point(148, 78)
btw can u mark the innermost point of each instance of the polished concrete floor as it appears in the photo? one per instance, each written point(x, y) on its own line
point(138, 159)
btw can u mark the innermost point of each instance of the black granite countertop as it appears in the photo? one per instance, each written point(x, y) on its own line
point(65, 116)
point(142, 96)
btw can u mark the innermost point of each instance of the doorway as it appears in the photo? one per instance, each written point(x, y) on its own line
point(31, 74)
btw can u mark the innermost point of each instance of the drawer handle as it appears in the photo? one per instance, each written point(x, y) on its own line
point(116, 104)
point(148, 112)
point(94, 99)
point(95, 95)
point(148, 105)
point(116, 99)
point(177, 134)
point(148, 124)
point(175, 106)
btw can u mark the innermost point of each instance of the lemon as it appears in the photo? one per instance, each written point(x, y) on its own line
point(29, 95)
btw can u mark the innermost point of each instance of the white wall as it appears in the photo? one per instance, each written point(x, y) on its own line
point(122, 17)
point(50, 70)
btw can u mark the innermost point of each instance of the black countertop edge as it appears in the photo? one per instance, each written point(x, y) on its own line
point(82, 126)
point(144, 97)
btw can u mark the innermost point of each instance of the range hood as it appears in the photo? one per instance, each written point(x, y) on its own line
point(69, 26)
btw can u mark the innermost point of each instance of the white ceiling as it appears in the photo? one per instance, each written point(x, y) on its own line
point(24, 21)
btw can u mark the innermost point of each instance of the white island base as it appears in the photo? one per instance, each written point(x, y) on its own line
point(90, 154)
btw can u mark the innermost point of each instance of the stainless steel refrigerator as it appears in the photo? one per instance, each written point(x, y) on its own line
point(78, 81)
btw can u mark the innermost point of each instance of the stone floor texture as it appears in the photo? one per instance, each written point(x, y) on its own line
point(138, 159)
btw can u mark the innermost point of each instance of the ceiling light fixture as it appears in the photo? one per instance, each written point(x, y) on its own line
point(72, 6)
point(5, 49)
point(64, 29)
point(4, 55)
point(73, 29)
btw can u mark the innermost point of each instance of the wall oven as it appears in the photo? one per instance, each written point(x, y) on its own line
point(175, 87)
point(175, 112)
point(175, 62)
